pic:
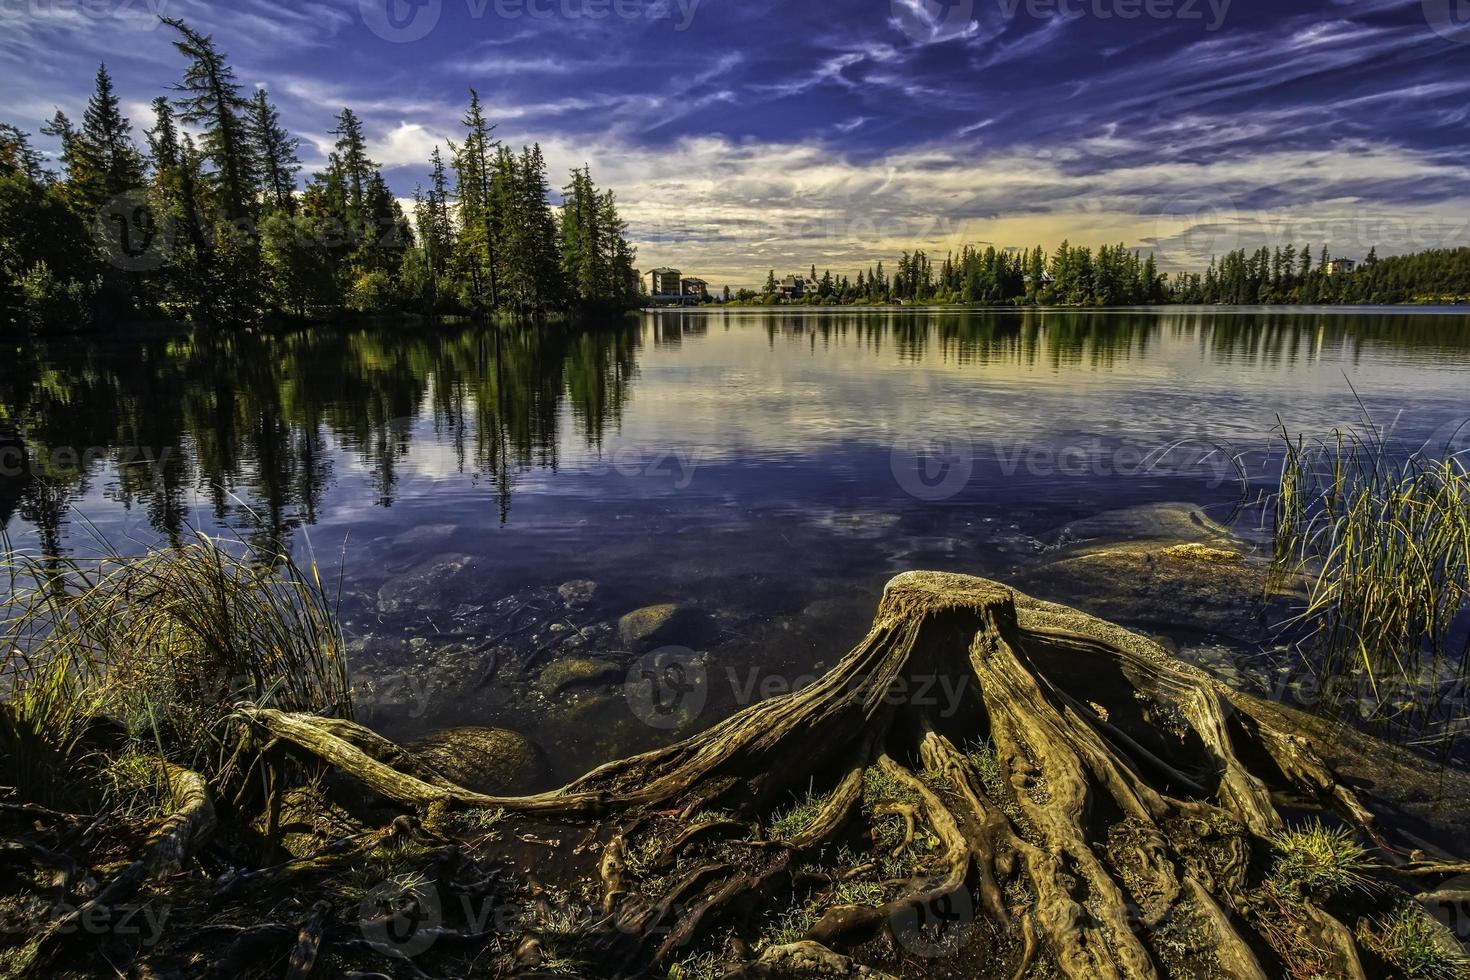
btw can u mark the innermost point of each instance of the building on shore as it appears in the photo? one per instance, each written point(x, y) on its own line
point(797, 287)
point(665, 284)
point(696, 289)
point(1341, 267)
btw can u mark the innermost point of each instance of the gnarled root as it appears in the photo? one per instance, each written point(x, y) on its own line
point(1081, 799)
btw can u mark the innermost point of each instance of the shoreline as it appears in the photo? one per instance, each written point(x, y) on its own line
point(1456, 309)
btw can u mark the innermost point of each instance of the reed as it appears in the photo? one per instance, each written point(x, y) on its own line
point(158, 649)
point(1382, 540)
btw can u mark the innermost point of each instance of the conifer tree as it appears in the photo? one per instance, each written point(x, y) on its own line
point(210, 97)
point(352, 159)
point(110, 163)
point(276, 149)
point(472, 161)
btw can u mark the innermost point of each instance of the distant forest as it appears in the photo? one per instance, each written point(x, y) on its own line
point(207, 222)
point(1115, 276)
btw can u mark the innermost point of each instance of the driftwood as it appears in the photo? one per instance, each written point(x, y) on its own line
point(1067, 799)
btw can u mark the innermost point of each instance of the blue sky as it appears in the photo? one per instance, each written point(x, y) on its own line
point(747, 135)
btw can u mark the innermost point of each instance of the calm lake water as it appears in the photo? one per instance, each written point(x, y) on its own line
point(767, 472)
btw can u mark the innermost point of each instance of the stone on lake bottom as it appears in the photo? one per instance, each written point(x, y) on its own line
point(667, 624)
point(578, 593)
point(577, 673)
point(486, 760)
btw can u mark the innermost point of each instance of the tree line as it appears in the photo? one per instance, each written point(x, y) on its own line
point(1114, 275)
point(207, 219)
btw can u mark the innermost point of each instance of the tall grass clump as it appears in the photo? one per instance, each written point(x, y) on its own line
point(1382, 540)
point(155, 651)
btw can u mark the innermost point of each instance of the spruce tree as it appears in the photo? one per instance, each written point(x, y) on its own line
point(351, 155)
point(478, 224)
point(276, 150)
point(210, 97)
point(112, 165)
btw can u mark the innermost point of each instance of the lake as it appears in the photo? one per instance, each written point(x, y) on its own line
point(499, 500)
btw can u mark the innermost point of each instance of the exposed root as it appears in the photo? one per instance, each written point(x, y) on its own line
point(1110, 828)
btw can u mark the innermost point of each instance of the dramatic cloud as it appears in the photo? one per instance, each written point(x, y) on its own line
point(747, 136)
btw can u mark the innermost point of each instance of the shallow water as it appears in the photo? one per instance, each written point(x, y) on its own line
point(767, 471)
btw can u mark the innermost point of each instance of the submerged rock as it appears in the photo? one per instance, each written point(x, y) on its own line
point(578, 593)
point(487, 760)
point(426, 535)
point(1171, 522)
point(424, 586)
point(664, 625)
point(1166, 586)
point(578, 673)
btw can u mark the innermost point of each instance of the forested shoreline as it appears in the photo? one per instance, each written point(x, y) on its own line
point(206, 221)
point(1115, 276)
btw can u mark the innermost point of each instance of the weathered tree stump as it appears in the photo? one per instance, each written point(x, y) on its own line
point(1085, 793)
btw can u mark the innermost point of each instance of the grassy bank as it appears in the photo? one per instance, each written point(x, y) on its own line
point(1383, 540)
point(162, 647)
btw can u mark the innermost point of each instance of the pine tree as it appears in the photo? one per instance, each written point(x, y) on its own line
point(211, 98)
point(176, 180)
point(435, 228)
point(16, 155)
point(478, 224)
point(352, 158)
point(541, 263)
point(276, 150)
point(73, 163)
point(111, 164)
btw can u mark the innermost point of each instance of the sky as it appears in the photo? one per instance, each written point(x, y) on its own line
point(748, 135)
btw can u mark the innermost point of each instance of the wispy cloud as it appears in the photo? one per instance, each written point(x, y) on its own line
point(777, 134)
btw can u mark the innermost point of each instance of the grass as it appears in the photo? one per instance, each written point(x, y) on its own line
point(400, 865)
point(164, 645)
point(987, 766)
point(135, 784)
point(859, 893)
point(1383, 541)
point(1320, 861)
point(703, 966)
point(879, 788)
point(481, 821)
point(1411, 942)
point(791, 926)
point(789, 823)
point(43, 717)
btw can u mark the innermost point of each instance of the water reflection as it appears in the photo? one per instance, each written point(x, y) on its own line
point(741, 465)
point(258, 424)
point(263, 424)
